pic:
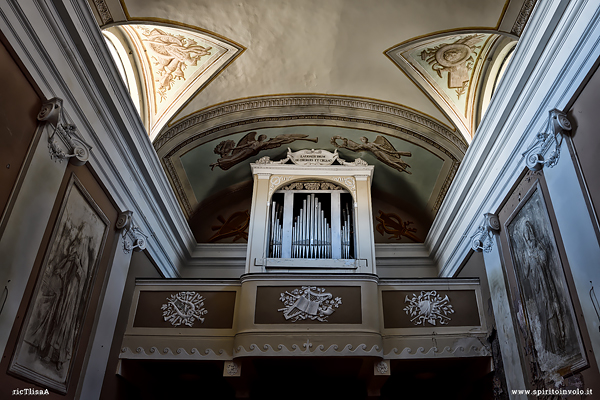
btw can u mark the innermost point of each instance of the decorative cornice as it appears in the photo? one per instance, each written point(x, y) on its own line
point(482, 239)
point(557, 125)
point(133, 238)
point(305, 350)
point(433, 352)
point(523, 17)
point(306, 101)
point(65, 141)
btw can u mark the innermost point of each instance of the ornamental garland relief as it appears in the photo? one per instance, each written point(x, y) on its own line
point(308, 302)
point(184, 308)
point(428, 307)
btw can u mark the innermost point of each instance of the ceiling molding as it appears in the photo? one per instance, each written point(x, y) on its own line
point(196, 125)
point(171, 157)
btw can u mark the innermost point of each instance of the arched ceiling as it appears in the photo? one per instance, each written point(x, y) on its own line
point(410, 71)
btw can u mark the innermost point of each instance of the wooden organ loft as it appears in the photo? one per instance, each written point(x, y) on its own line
point(313, 214)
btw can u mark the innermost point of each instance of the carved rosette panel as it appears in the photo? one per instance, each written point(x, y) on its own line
point(184, 308)
point(308, 302)
point(428, 307)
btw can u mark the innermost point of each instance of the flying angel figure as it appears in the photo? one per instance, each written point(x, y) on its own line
point(381, 148)
point(232, 154)
point(172, 54)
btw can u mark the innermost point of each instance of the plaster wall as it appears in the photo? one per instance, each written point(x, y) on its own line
point(586, 120)
point(112, 386)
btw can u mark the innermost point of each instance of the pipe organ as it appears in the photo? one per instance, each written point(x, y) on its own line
point(311, 211)
point(317, 225)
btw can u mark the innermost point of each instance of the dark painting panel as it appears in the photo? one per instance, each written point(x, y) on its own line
point(543, 288)
point(49, 339)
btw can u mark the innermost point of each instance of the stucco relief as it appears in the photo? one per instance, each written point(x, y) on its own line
point(184, 308)
point(308, 302)
point(428, 307)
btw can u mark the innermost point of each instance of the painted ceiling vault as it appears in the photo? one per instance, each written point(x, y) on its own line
point(224, 83)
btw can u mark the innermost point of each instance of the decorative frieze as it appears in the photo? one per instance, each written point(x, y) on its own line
point(64, 141)
point(523, 17)
point(434, 352)
point(482, 239)
point(556, 127)
point(307, 349)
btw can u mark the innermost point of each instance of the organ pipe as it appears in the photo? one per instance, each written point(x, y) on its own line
point(311, 235)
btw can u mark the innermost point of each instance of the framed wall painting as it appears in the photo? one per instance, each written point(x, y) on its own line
point(49, 338)
point(543, 290)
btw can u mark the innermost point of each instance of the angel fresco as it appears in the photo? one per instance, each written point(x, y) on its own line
point(392, 224)
point(232, 154)
point(172, 54)
point(381, 148)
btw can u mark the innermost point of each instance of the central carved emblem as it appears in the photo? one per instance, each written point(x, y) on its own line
point(184, 308)
point(428, 307)
point(308, 302)
point(456, 59)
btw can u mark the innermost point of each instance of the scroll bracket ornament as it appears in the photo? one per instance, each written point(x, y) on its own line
point(133, 238)
point(482, 239)
point(64, 141)
point(557, 126)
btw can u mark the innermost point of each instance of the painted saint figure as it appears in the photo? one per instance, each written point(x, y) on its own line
point(537, 271)
point(54, 334)
point(380, 147)
point(232, 154)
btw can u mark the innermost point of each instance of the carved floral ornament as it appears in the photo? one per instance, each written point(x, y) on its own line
point(308, 302)
point(184, 308)
point(428, 307)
